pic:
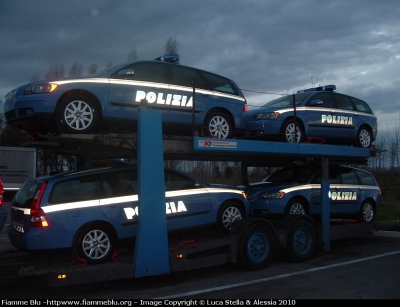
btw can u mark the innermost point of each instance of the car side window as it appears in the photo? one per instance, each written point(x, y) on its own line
point(119, 184)
point(219, 83)
point(151, 72)
point(333, 177)
point(343, 102)
point(184, 76)
point(174, 182)
point(365, 178)
point(81, 189)
point(325, 97)
point(360, 105)
point(349, 177)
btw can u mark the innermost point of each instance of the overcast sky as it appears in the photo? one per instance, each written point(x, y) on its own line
point(265, 46)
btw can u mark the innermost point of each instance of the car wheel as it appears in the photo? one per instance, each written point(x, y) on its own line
point(364, 137)
point(218, 125)
point(302, 242)
point(296, 206)
point(77, 114)
point(94, 243)
point(289, 132)
point(367, 211)
point(229, 213)
point(256, 247)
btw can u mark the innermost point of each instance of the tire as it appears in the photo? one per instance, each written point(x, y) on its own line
point(95, 243)
point(364, 137)
point(296, 206)
point(218, 125)
point(77, 114)
point(301, 242)
point(288, 132)
point(367, 211)
point(256, 247)
point(229, 213)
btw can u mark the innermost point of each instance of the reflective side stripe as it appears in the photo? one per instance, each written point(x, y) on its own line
point(124, 199)
point(149, 84)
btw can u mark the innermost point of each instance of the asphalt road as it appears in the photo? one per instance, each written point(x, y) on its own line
point(364, 267)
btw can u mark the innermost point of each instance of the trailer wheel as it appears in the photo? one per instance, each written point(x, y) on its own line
point(301, 242)
point(94, 243)
point(256, 247)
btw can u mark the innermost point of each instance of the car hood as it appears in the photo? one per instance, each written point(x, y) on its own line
point(266, 186)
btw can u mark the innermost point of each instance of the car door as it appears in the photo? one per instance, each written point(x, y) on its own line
point(132, 83)
point(316, 196)
point(345, 118)
point(346, 196)
point(119, 201)
point(319, 116)
point(188, 203)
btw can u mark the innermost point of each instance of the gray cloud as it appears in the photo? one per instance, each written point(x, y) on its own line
point(265, 46)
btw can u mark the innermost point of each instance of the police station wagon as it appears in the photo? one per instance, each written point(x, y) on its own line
point(353, 193)
point(92, 212)
point(320, 115)
point(109, 101)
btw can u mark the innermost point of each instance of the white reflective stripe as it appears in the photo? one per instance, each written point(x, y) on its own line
point(125, 199)
point(297, 188)
point(118, 200)
point(205, 92)
point(88, 80)
point(148, 84)
point(223, 190)
point(185, 192)
point(74, 205)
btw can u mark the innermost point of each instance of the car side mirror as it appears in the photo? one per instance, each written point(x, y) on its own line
point(126, 72)
point(316, 102)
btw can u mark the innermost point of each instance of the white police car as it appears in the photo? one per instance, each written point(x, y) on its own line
point(92, 212)
point(354, 193)
point(108, 101)
point(320, 115)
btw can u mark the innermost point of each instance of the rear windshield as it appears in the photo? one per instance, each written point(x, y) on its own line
point(26, 193)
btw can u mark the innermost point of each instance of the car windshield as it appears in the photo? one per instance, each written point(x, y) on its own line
point(286, 101)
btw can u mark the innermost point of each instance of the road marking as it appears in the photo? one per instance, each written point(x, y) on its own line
point(278, 276)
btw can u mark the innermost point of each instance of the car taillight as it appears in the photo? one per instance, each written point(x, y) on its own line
point(245, 109)
point(38, 218)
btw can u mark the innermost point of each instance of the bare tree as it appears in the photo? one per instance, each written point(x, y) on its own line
point(172, 45)
point(109, 65)
point(76, 70)
point(35, 78)
point(92, 69)
point(132, 56)
point(55, 71)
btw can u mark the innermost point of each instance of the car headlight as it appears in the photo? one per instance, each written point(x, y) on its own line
point(271, 195)
point(40, 88)
point(266, 115)
point(10, 95)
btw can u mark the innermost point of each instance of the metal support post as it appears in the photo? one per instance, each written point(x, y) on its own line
point(151, 248)
point(325, 203)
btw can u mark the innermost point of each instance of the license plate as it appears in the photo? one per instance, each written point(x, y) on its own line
point(18, 228)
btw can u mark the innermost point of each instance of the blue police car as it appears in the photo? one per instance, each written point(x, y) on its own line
point(317, 115)
point(94, 211)
point(353, 193)
point(109, 101)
